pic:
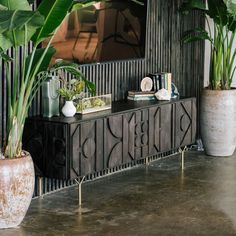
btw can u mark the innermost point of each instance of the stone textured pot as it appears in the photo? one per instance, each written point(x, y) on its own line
point(69, 109)
point(218, 122)
point(16, 189)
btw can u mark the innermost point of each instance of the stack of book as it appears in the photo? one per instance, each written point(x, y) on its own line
point(161, 80)
point(141, 96)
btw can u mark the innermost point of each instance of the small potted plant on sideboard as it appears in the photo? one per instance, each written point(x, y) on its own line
point(70, 91)
point(218, 102)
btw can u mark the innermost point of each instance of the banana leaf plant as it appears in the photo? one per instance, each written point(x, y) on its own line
point(19, 25)
point(221, 37)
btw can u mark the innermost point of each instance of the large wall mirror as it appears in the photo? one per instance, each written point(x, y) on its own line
point(105, 31)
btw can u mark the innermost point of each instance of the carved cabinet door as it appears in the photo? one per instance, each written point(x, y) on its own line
point(47, 144)
point(87, 147)
point(160, 131)
point(126, 138)
point(113, 141)
point(136, 129)
point(185, 122)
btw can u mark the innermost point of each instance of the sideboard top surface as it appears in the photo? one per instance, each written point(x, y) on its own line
point(117, 107)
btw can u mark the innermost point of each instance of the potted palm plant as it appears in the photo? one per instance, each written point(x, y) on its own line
point(19, 25)
point(218, 102)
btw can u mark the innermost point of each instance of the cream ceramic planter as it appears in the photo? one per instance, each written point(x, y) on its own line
point(218, 122)
point(16, 190)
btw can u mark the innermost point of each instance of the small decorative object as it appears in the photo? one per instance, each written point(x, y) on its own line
point(141, 96)
point(50, 97)
point(69, 109)
point(146, 84)
point(94, 104)
point(163, 94)
point(174, 91)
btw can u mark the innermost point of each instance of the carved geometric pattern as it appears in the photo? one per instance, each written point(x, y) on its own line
point(154, 131)
point(141, 130)
point(131, 136)
point(183, 123)
point(89, 148)
point(141, 134)
point(58, 164)
point(157, 125)
point(114, 141)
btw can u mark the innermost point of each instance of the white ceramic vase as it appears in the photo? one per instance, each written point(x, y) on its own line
point(69, 109)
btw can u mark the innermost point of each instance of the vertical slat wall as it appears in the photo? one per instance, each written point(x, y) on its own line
point(164, 52)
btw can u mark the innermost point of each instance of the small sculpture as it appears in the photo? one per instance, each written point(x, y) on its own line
point(163, 94)
point(174, 91)
point(146, 84)
point(50, 97)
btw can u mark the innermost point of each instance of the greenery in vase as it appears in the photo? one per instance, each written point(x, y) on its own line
point(72, 90)
point(221, 38)
point(19, 25)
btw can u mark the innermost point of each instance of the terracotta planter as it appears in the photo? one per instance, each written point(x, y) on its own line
point(218, 122)
point(16, 189)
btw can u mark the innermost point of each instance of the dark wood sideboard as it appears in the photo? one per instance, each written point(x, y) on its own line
point(66, 148)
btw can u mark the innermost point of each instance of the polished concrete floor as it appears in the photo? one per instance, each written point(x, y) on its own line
point(157, 199)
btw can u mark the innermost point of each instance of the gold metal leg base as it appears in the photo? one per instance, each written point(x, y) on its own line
point(79, 183)
point(40, 182)
point(182, 153)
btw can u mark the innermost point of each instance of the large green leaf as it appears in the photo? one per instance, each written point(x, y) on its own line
point(218, 11)
point(5, 56)
point(3, 7)
point(10, 20)
point(16, 4)
point(196, 35)
point(5, 42)
point(232, 23)
point(190, 5)
point(54, 12)
point(38, 54)
point(14, 24)
point(231, 9)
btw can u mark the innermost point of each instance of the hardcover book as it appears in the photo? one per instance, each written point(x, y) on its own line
point(147, 98)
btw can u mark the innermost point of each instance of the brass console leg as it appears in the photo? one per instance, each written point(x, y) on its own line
point(182, 153)
point(79, 183)
point(40, 187)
